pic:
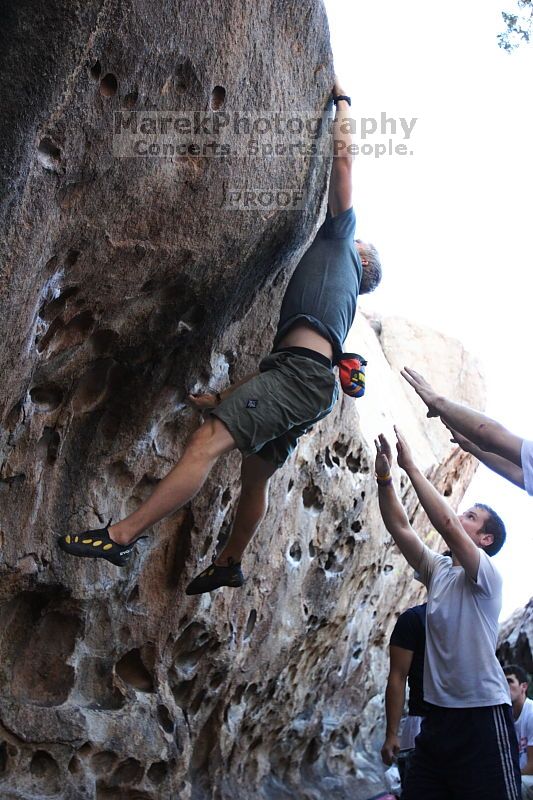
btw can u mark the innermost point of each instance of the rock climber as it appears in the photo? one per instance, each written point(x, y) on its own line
point(264, 414)
point(467, 745)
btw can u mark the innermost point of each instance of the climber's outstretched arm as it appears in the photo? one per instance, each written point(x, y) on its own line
point(502, 466)
point(482, 431)
point(392, 511)
point(340, 183)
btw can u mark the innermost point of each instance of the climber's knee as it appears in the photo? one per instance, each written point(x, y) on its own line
point(212, 438)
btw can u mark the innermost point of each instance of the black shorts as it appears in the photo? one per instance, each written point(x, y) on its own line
point(465, 754)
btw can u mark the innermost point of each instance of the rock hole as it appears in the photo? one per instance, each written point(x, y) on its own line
point(356, 526)
point(95, 385)
point(182, 692)
point(157, 772)
point(108, 85)
point(312, 752)
point(46, 397)
point(205, 547)
point(388, 568)
point(186, 78)
point(43, 766)
point(290, 485)
point(3, 757)
point(295, 552)
point(71, 258)
point(45, 637)
point(341, 449)
point(191, 646)
point(51, 264)
point(69, 335)
point(331, 563)
point(74, 765)
point(198, 701)
point(104, 761)
point(132, 671)
point(103, 341)
point(448, 490)
point(96, 70)
point(312, 497)
point(14, 416)
point(312, 550)
point(129, 771)
point(218, 97)
point(13, 481)
point(152, 285)
point(49, 445)
point(133, 596)
point(50, 310)
point(43, 342)
point(353, 463)
point(327, 458)
point(165, 720)
point(131, 99)
point(49, 154)
point(218, 679)
point(226, 497)
point(250, 625)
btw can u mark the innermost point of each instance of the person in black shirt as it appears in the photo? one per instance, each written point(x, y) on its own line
point(407, 645)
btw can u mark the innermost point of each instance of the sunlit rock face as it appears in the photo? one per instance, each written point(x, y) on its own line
point(515, 643)
point(125, 284)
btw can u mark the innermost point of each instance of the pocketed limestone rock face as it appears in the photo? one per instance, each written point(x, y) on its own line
point(515, 643)
point(126, 283)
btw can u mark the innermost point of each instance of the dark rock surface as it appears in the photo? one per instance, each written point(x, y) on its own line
point(125, 283)
point(515, 644)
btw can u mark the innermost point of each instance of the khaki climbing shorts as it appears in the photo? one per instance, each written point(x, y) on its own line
point(295, 389)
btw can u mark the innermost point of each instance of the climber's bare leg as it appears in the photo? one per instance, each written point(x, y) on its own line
point(182, 483)
point(252, 507)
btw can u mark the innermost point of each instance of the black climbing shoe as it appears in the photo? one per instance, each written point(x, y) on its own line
point(215, 576)
point(97, 544)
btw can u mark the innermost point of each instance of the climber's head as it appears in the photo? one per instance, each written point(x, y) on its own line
point(371, 266)
point(484, 527)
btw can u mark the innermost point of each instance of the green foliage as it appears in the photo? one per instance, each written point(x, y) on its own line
point(519, 27)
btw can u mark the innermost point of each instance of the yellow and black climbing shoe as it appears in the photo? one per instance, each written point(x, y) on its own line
point(97, 544)
point(216, 576)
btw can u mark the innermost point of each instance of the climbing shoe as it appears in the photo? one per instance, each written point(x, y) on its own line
point(97, 544)
point(215, 576)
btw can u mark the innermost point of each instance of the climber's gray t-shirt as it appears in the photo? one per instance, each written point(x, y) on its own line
point(527, 465)
point(325, 285)
point(460, 667)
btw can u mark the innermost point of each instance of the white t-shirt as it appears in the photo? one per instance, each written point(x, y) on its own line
point(524, 730)
point(527, 465)
point(460, 667)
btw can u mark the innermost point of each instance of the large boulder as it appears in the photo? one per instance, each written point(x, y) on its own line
point(127, 282)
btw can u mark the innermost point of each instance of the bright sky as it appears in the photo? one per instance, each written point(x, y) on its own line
point(453, 221)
